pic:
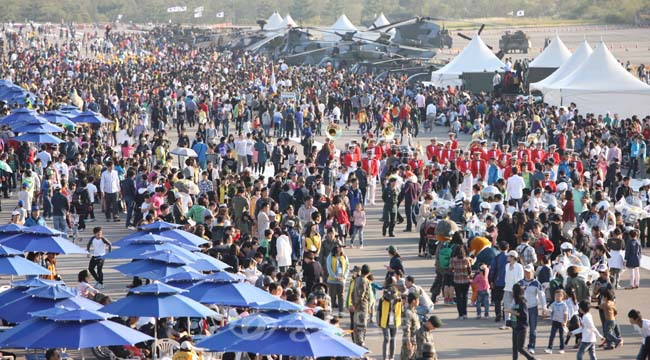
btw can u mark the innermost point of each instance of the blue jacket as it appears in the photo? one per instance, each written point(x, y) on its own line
point(632, 253)
point(498, 270)
point(355, 197)
point(200, 148)
point(493, 174)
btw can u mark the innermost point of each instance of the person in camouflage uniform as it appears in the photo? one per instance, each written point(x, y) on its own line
point(390, 196)
point(361, 305)
point(411, 325)
point(424, 336)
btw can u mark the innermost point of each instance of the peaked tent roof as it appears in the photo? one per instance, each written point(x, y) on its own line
point(475, 57)
point(288, 21)
point(274, 22)
point(601, 85)
point(380, 21)
point(578, 58)
point(342, 25)
point(555, 54)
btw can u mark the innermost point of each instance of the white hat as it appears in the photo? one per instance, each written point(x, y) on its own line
point(566, 246)
point(186, 345)
point(529, 268)
point(513, 253)
point(15, 212)
point(561, 187)
point(57, 186)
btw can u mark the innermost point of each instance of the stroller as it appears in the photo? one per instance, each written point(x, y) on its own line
point(429, 230)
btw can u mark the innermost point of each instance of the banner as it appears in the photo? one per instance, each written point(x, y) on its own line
point(511, 13)
point(198, 9)
point(520, 13)
point(198, 15)
point(221, 14)
point(175, 9)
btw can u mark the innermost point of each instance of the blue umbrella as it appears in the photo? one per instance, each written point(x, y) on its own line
point(168, 257)
point(206, 262)
point(39, 125)
point(42, 230)
point(75, 329)
point(135, 250)
point(281, 341)
point(280, 307)
point(13, 229)
point(19, 287)
point(90, 117)
point(73, 303)
point(224, 277)
point(174, 235)
point(42, 243)
point(230, 294)
point(184, 237)
point(58, 117)
point(19, 309)
point(10, 264)
point(143, 239)
point(19, 116)
point(159, 226)
point(151, 269)
point(38, 138)
point(158, 301)
point(184, 280)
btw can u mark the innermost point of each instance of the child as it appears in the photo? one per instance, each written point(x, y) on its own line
point(589, 332)
point(359, 221)
point(559, 317)
point(574, 319)
point(545, 275)
point(608, 306)
point(482, 285)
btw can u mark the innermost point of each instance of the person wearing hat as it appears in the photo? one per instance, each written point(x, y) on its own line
point(535, 297)
point(424, 338)
point(360, 305)
point(35, 218)
point(186, 352)
point(390, 196)
point(514, 273)
point(478, 166)
point(411, 324)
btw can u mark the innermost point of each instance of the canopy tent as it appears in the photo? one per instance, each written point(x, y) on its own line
point(555, 54)
point(578, 58)
point(341, 26)
point(601, 85)
point(274, 22)
point(288, 21)
point(476, 57)
point(372, 34)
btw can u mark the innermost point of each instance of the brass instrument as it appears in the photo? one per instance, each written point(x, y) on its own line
point(334, 131)
point(388, 132)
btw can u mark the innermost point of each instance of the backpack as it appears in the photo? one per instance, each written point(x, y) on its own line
point(77, 198)
point(444, 255)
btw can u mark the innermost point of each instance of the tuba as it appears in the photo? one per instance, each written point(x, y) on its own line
point(388, 132)
point(334, 131)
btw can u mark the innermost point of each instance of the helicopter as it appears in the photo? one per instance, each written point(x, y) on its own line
point(418, 31)
point(499, 54)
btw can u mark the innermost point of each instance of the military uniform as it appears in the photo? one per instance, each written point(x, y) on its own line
point(361, 302)
point(411, 325)
point(390, 197)
point(424, 336)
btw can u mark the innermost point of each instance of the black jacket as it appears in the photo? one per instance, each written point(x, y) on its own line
point(60, 204)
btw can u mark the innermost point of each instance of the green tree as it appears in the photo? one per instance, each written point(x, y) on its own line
point(333, 10)
point(302, 10)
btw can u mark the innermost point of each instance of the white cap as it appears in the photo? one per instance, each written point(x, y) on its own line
point(513, 253)
point(186, 345)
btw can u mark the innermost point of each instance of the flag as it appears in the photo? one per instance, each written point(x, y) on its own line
point(520, 13)
point(198, 15)
point(511, 13)
point(119, 17)
point(198, 9)
point(273, 84)
point(221, 14)
point(175, 9)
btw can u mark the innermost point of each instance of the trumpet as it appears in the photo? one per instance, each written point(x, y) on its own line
point(388, 132)
point(334, 131)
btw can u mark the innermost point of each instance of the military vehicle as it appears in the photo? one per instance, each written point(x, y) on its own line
point(514, 42)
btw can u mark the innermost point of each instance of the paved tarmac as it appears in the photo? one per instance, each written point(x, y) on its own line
point(460, 339)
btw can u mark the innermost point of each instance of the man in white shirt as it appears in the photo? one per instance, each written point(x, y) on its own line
point(44, 156)
point(515, 187)
point(61, 167)
point(642, 326)
point(496, 83)
point(431, 115)
point(110, 187)
point(240, 147)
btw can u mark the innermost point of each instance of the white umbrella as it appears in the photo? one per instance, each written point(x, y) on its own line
point(182, 151)
point(489, 191)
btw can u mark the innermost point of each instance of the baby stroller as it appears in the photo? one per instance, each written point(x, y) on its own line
point(319, 293)
point(429, 230)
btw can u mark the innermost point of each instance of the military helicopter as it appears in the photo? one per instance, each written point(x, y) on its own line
point(421, 32)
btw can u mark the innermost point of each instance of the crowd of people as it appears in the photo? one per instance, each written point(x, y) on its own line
point(546, 207)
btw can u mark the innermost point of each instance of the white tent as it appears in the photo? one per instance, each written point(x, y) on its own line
point(274, 22)
point(601, 85)
point(380, 21)
point(555, 54)
point(288, 21)
point(341, 26)
point(372, 34)
point(475, 57)
point(578, 58)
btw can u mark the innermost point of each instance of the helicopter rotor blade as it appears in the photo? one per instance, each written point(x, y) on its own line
point(480, 30)
point(464, 36)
